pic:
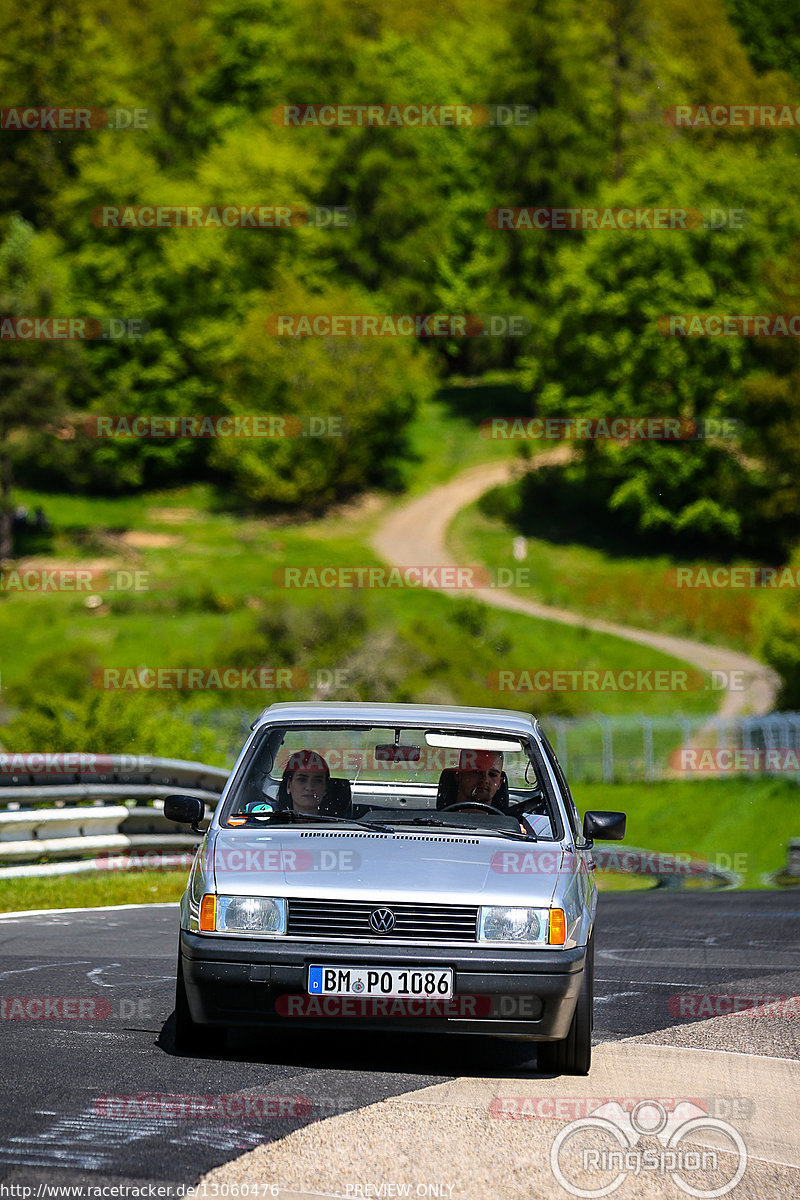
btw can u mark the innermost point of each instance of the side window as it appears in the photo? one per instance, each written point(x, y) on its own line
point(569, 803)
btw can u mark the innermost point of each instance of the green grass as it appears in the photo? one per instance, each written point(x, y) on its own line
point(213, 599)
point(632, 590)
point(740, 825)
point(445, 438)
point(91, 890)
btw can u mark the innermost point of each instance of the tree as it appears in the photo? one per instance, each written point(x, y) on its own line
point(34, 374)
point(604, 350)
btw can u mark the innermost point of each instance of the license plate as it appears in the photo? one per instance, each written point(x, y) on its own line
point(372, 981)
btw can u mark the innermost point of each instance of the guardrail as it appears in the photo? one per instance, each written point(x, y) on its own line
point(79, 820)
point(668, 870)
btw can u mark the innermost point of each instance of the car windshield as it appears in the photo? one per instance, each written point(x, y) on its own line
point(392, 775)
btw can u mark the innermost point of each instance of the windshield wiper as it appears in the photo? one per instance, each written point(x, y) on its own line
point(291, 815)
point(531, 837)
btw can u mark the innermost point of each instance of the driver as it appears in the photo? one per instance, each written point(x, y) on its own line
point(479, 775)
point(304, 785)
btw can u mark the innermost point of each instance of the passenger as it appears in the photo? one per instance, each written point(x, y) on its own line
point(304, 786)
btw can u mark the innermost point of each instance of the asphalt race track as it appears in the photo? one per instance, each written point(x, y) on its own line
point(60, 1123)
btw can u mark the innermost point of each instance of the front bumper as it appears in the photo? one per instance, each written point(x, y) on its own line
point(508, 992)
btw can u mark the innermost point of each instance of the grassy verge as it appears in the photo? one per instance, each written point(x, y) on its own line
point(91, 890)
point(213, 595)
point(741, 825)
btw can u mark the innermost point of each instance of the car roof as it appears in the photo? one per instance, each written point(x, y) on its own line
point(436, 716)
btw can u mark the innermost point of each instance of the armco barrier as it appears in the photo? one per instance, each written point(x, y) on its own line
point(668, 870)
point(84, 823)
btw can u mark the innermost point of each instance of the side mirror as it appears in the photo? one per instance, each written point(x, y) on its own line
point(608, 826)
point(186, 810)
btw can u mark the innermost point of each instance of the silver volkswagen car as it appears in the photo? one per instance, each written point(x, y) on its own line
point(393, 866)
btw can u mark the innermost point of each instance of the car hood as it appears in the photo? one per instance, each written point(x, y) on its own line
point(462, 868)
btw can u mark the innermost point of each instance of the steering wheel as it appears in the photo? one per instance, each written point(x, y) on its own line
point(535, 805)
point(474, 804)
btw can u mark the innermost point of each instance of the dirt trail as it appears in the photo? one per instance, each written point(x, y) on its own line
point(414, 535)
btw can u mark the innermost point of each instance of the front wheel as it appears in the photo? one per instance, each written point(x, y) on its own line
point(572, 1055)
point(187, 1033)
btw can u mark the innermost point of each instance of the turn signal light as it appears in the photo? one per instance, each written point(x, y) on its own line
point(208, 913)
point(558, 927)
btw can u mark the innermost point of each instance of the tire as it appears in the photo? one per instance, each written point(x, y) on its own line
point(188, 1035)
point(572, 1055)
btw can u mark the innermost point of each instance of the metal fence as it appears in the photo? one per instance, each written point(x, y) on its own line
point(622, 749)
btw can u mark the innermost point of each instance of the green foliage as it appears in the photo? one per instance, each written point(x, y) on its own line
point(602, 352)
point(779, 641)
point(58, 708)
point(594, 79)
point(769, 33)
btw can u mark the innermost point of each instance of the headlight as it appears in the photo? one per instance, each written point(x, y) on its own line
point(250, 914)
point(527, 926)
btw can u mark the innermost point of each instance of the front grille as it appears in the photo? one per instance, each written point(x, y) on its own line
point(413, 922)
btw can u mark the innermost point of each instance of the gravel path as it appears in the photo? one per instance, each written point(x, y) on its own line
point(415, 535)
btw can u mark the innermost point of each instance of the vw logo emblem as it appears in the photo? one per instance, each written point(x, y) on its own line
point(382, 920)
